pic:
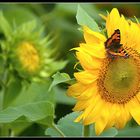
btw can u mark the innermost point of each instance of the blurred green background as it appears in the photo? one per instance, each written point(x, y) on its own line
point(61, 19)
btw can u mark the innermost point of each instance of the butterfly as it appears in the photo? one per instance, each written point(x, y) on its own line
point(113, 46)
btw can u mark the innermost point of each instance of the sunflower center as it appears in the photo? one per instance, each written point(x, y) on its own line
point(28, 56)
point(119, 78)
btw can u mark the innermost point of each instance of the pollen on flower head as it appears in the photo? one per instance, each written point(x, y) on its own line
point(108, 88)
point(119, 79)
point(28, 56)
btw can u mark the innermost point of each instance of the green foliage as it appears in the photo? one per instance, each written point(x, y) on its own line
point(67, 126)
point(33, 93)
point(12, 91)
point(56, 66)
point(32, 112)
point(18, 14)
point(111, 132)
point(129, 131)
point(5, 26)
point(70, 128)
point(32, 104)
point(29, 105)
point(84, 19)
point(60, 78)
point(62, 98)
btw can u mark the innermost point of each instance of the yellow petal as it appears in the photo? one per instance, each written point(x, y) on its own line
point(81, 105)
point(89, 92)
point(112, 21)
point(89, 109)
point(76, 89)
point(85, 77)
point(115, 21)
point(133, 38)
point(138, 96)
point(88, 62)
point(111, 118)
point(92, 37)
point(123, 118)
point(101, 123)
point(134, 108)
point(95, 113)
point(95, 50)
point(127, 114)
point(124, 29)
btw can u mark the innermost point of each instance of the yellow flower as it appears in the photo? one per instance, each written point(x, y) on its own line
point(28, 57)
point(108, 90)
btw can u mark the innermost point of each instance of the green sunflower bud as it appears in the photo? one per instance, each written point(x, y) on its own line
point(28, 50)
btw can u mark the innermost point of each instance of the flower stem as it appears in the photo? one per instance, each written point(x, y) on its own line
point(4, 130)
point(3, 127)
point(58, 130)
point(86, 130)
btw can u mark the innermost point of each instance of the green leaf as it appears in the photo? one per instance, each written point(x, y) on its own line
point(32, 112)
point(58, 65)
point(33, 131)
point(37, 111)
point(5, 26)
point(12, 91)
point(111, 132)
point(2, 62)
point(69, 9)
point(8, 115)
point(59, 78)
point(70, 128)
point(18, 128)
point(72, 9)
point(84, 19)
point(28, 26)
point(17, 14)
point(131, 131)
point(67, 126)
point(62, 98)
point(35, 92)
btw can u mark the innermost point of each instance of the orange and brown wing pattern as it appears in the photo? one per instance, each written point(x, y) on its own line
point(113, 46)
point(113, 40)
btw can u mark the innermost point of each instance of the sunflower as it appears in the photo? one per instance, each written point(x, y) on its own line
point(27, 50)
point(108, 90)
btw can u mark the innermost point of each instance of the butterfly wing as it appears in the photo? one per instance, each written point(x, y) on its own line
point(114, 41)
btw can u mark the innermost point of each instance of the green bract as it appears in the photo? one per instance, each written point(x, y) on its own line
point(27, 50)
